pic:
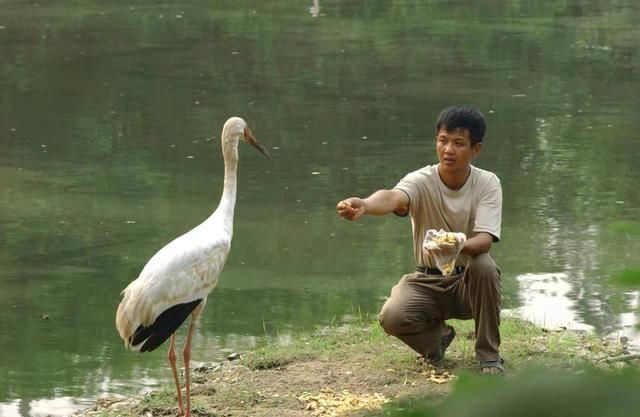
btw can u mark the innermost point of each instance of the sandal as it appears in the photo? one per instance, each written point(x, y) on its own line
point(492, 367)
point(445, 341)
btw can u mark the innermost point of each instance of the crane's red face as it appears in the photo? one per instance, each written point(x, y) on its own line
point(248, 136)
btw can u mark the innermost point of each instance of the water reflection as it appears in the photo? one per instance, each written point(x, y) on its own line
point(51, 407)
point(545, 301)
point(550, 301)
point(315, 8)
point(63, 406)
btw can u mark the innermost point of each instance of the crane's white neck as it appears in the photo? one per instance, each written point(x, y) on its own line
point(227, 204)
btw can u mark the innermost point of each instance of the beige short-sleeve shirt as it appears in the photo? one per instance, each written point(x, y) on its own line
point(475, 207)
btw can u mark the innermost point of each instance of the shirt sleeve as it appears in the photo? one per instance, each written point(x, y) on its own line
point(489, 210)
point(409, 187)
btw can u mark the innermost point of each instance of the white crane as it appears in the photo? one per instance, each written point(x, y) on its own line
point(177, 279)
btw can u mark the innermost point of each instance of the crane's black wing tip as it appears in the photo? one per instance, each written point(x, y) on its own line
point(164, 326)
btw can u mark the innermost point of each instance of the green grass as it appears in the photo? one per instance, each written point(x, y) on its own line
point(329, 343)
point(522, 343)
point(158, 401)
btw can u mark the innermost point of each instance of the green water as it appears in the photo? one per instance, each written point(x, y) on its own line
point(110, 119)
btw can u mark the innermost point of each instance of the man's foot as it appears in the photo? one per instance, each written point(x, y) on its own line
point(445, 341)
point(492, 367)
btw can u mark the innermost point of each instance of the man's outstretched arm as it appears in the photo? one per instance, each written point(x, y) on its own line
point(377, 204)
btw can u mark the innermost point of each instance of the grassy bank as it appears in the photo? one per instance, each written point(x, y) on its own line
point(354, 370)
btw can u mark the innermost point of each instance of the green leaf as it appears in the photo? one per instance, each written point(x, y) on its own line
point(541, 393)
point(625, 226)
point(627, 278)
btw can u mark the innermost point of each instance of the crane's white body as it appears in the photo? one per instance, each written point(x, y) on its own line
point(187, 268)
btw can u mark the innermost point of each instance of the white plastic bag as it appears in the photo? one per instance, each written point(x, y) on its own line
point(444, 248)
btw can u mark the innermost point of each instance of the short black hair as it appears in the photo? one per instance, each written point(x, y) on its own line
point(462, 117)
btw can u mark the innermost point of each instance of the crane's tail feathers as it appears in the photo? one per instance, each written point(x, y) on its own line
point(164, 326)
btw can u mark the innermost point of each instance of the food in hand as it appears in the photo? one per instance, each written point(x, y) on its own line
point(343, 205)
point(447, 238)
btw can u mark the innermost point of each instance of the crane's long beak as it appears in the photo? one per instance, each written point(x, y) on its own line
point(248, 135)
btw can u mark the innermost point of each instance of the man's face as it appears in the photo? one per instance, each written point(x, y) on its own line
point(454, 149)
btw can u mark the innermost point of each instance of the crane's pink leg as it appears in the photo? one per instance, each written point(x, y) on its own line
point(172, 360)
point(186, 354)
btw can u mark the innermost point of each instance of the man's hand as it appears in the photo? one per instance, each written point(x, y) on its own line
point(444, 248)
point(479, 243)
point(377, 204)
point(351, 208)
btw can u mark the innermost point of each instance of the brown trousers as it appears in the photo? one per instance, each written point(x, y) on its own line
point(419, 304)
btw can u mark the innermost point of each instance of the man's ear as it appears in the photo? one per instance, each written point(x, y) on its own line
point(475, 149)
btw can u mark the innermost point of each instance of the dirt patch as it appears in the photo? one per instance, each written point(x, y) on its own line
point(292, 390)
